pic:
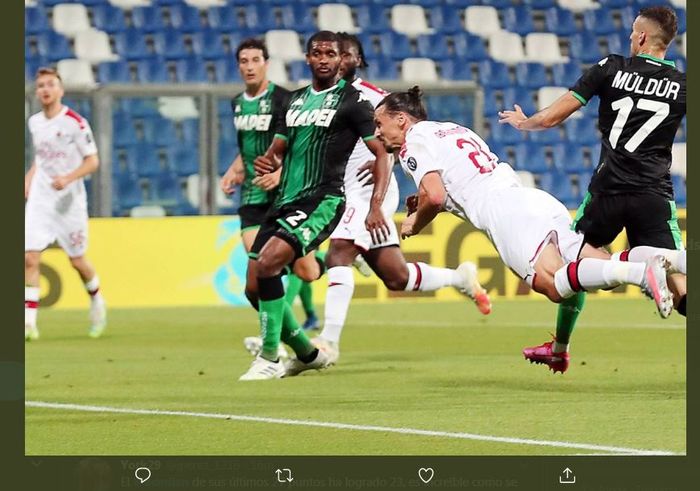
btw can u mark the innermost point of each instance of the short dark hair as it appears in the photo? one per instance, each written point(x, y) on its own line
point(322, 36)
point(666, 18)
point(252, 43)
point(408, 102)
point(344, 37)
point(47, 70)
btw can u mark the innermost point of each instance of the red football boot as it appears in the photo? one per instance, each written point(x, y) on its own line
point(542, 354)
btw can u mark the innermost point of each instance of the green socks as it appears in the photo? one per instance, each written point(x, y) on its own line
point(293, 335)
point(307, 299)
point(271, 317)
point(568, 313)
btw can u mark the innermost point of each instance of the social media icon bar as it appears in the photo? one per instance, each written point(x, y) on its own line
point(143, 474)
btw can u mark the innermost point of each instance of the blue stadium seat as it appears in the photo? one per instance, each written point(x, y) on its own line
point(531, 75)
point(560, 21)
point(185, 18)
point(170, 44)
point(499, 4)
point(493, 102)
point(559, 185)
point(153, 70)
point(261, 18)
point(433, 46)
point(373, 18)
point(522, 97)
point(131, 45)
point(584, 179)
point(183, 159)
point(396, 45)
point(190, 130)
point(140, 107)
point(566, 74)
point(504, 133)
point(547, 137)
point(584, 46)
point(226, 71)
point(540, 4)
point(191, 70)
point(679, 190)
point(615, 4)
point(208, 44)
point(599, 21)
point(35, 20)
point(144, 157)
point(570, 157)
point(582, 130)
point(446, 19)
point(455, 70)
point(123, 130)
point(618, 43)
point(682, 20)
point(518, 20)
point(299, 70)
point(108, 18)
point(462, 3)
point(148, 19)
point(228, 150)
point(299, 17)
point(128, 191)
point(422, 3)
point(224, 19)
point(382, 69)
point(159, 131)
point(168, 190)
point(53, 3)
point(494, 75)
point(223, 107)
point(113, 72)
point(530, 157)
point(469, 47)
point(54, 46)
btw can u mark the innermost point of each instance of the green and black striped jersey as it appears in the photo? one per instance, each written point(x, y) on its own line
point(321, 129)
point(255, 120)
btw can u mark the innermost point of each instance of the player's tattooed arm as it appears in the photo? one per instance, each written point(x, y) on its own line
point(375, 221)
point(28, 179)
point(89, 165)
point(233, 176)
point(431, 201)
point(548, 117)
point(272, 159)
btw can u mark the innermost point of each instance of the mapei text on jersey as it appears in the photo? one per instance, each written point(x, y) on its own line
point(318, 117)
point(633, 82)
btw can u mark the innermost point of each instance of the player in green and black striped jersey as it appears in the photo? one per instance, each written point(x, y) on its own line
point(322, 124)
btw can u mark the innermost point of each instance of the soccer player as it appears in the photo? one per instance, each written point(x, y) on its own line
point(351, 238)
point(257, 111)
point(456, 171)
point(56, 208)
point(642, 103)
point(322, 124)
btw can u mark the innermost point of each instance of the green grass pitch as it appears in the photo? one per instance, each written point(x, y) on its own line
point(438, 367)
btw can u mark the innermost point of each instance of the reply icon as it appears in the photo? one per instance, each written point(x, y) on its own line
point(143, 474)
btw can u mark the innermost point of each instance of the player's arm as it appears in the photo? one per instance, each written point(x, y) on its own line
point(233, 176)
point(28, 179)
point(375, 221)
point(88, 166)
point(431, 201)
point(548, 117)
point(272, 159)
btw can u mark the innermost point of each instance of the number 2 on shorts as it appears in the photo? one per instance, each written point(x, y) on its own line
point(294, 220)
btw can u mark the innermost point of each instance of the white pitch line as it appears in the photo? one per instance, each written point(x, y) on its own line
point(344, 426)
point(479, 323)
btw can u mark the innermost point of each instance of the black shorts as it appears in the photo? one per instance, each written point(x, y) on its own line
point(253, 216)
point(303, 224)
point(648, 219)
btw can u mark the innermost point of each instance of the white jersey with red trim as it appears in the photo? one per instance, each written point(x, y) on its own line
point(468, 168)
point(60, 145)
point(361, 154)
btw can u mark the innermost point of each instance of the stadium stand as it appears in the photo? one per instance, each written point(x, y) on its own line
point(518, 51)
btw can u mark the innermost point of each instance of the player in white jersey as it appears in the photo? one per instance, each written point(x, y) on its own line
point(56, 208)
point(455, 171)
point(351, 238)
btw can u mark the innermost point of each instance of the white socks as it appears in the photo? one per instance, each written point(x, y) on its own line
point(640, 254)
point(31, 305)
point(425, 278)
point(341, 285)
point(593, 274)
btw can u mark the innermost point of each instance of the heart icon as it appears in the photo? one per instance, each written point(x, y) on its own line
point(426, 474)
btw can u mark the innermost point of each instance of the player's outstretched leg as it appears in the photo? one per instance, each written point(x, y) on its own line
point(98, 309)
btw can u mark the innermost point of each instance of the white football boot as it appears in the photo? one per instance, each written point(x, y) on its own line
point(295, 366)
point(262, 369)
point(98, 317)
point(331, 349)
point(471, 287)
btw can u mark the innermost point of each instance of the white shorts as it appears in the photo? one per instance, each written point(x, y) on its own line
point(522, 221)
point(46, 221)
point(352, 224)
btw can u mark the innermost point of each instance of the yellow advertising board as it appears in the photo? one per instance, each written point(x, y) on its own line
point(200, 261)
